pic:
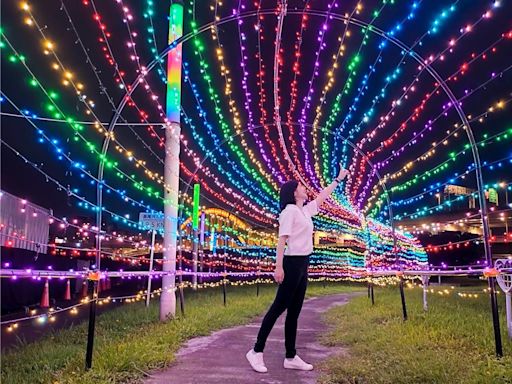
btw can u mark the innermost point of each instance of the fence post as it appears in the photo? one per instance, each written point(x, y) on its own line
point(93, 279)
point(402, 295)
point(425, 279)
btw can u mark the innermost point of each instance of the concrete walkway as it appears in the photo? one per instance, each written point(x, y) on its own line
point(220, 357)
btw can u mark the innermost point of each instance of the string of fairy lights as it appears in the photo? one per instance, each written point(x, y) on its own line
point(444, 141)
point(452, 43)
point(466, 30)
point(395, 74)
point(246, 243)
point(129, 153)
point(191, 153)
point(41, 317)
point(279, 171)
point(231, 149)
point(352, 68)
point(361, 88)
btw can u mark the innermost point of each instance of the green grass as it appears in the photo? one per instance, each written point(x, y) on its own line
point(130, 340)
point(451, 343)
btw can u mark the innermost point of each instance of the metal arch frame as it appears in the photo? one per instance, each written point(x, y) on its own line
point(453, 99)
point(474, 151)
point(359, 23)
point(430, 70)
point(150, 66)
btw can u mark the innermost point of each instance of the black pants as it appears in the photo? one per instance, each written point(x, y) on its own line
point(290, 296)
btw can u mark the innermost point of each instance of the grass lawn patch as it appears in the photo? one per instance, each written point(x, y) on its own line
point(453, 342)
point(130, 340)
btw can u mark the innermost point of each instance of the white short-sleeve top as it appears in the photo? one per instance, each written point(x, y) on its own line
point(296, 223)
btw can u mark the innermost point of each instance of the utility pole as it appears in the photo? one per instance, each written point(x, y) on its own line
point(172, 162)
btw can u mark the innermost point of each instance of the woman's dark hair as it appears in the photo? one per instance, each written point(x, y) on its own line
point(287, 193)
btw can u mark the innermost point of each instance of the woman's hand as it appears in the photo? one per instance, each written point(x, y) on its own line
point(326, 192)
point(279, 275)
point(343, 173)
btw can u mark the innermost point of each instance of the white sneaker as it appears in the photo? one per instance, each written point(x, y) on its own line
point(256, 361)
point(297, 363)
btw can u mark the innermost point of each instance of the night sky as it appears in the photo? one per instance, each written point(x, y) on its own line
point(478, 73)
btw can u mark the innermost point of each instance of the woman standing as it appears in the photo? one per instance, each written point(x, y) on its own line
point(291, 273)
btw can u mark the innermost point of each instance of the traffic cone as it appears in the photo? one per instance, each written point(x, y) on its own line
point(67, 295)
point(45, 298)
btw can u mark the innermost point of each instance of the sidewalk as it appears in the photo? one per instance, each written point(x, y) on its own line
point(220, 357)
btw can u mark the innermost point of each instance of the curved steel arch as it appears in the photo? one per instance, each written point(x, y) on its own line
point(137, 81)
point(353, 21)
point(448, 92)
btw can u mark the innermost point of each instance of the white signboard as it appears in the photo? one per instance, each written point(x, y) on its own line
point(457, 190)
point(151, 221)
